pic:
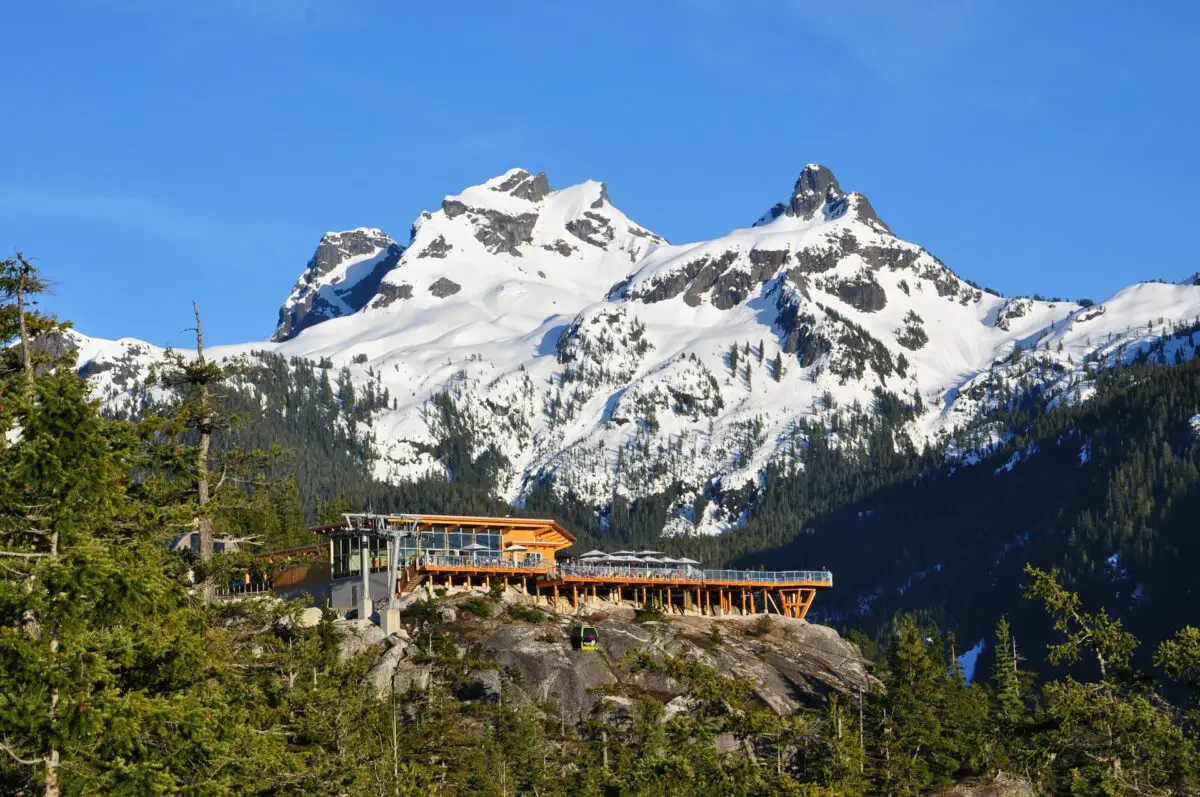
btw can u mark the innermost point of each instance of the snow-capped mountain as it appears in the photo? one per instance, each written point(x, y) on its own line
point(592, 354)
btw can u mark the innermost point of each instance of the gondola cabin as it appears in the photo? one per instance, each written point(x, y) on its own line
point(586, 637)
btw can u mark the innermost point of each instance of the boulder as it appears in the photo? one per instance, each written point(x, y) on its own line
point(395, 668)
point(483, 685)
point(355, 636)
point(309, 617)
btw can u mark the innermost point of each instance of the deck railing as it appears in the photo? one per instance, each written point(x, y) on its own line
point(816, 576)
point(254, 589)
point(693, 574)
point(484, 562)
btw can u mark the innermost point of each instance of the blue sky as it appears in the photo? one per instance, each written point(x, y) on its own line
point(158, 152)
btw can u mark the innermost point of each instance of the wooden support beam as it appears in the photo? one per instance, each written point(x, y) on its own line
point(575, 596)
point(808, 601)
point(743, 602)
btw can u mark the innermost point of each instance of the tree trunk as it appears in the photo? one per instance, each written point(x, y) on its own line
point(204, 525)
point(26, 357)
point(52, 788)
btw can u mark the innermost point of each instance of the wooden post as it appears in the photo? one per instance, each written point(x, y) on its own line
point(575, 596)
point(668, 597)
point(743, 602)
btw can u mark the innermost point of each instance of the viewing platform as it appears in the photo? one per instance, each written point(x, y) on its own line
point(369, 558)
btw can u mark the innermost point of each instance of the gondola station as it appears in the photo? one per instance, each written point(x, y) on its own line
point(370, 561)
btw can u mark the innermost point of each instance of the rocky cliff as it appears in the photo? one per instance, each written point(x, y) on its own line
point(516, 648)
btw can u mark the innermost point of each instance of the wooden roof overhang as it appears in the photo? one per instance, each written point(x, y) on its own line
point(528, 531)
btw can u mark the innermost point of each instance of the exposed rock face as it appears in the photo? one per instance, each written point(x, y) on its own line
point(561, 247)
point(817, 193)
point(391, 293)
point(1011, 310)
point(803, 338)
point(355, 636)
point(342, 276)
point(437, 248)
point(862, 293)
point(792, 665)
point(592, 228)
point(444, 287)
point(523, 185)
point(1003, 785)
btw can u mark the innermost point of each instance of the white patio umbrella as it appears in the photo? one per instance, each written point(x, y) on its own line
point(474, 548)
point(652, 560)
point(649, 553)
point(516, 546)
point(686, 561)
point(592, 554)
point(623, 553)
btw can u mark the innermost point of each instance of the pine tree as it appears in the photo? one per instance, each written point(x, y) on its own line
point(195, 381)
point(1008, 703)
point(733, 359)
point(777, 367)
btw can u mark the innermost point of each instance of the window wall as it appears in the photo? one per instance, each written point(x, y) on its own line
point(346, 560)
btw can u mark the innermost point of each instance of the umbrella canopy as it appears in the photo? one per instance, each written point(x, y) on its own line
point(634, 560)
point(652, 560)
point(592, 554)
point(474, 547)
point(686, 561)
point(622, 553)
point(649, 553)
point(666, 560)
point(516, 546)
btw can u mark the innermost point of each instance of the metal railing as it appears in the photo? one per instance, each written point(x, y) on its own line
point(489, 562)
point(252, 590)
point(694, 574)
point(816, 576)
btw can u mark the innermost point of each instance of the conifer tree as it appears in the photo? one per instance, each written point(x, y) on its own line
point(1008, 704)
point(196, 381)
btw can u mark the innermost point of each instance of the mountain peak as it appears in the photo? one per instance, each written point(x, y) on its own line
point(815, 187)
point(817, 192)
point(521, 184)
point(340, 278)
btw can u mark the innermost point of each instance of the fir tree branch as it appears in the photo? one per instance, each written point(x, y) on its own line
point(6, 747)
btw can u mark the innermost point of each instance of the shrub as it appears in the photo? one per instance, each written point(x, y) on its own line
point(525, 614)
point(650, 613)
point(476, 606)
point(496, 590)
point(762, 626)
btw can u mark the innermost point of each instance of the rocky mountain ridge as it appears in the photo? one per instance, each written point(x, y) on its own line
point(580, 351)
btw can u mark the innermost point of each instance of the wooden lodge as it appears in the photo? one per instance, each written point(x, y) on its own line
point(368, 559)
